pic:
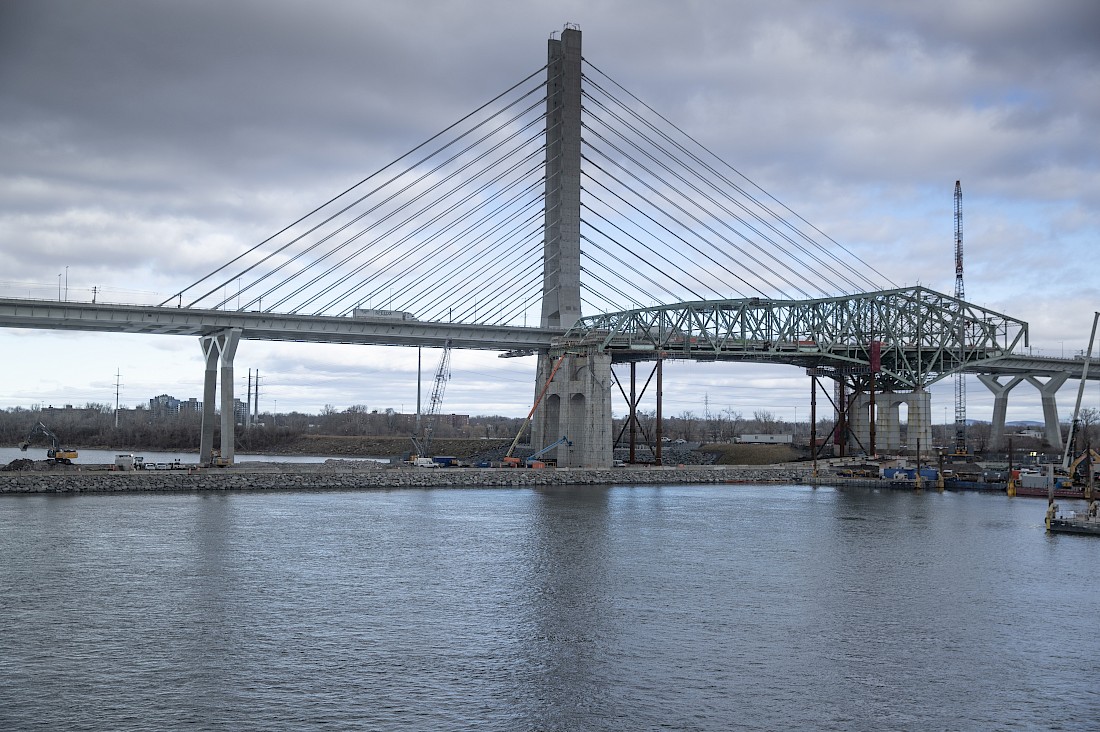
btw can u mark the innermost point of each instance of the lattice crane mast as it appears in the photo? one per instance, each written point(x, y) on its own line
point(960, 293)
point(423, 443)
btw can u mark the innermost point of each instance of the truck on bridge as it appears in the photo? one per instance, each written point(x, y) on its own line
point(369, 313)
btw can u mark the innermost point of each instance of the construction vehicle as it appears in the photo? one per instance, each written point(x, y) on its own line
point(532, 461)
point(514, 462)
point(1091, 456)
point(55, 453)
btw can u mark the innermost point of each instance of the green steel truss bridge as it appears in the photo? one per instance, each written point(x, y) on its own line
point(911, 337)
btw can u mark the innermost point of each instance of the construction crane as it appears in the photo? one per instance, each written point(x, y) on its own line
point(960, 292)
point(423, 442)
point(514, 462)
point(56, 453)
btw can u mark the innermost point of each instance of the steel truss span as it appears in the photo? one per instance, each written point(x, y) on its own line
point(916, 335)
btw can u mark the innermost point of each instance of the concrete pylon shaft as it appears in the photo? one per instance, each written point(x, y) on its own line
point(561, 262)
point(1047, 392)
point(920, 420)
point(1000, 405)
point(230, 339)
point(210, 355)
point(218, 348)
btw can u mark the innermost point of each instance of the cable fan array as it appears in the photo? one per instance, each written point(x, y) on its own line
point(452, 231)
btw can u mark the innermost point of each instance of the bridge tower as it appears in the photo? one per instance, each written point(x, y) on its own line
point(577, 403)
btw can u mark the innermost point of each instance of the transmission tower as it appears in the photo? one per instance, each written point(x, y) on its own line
point(960, 293)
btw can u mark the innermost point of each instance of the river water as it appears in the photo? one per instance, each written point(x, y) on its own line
point(624, 608)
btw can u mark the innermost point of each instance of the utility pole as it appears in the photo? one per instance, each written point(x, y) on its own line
point(118, 389)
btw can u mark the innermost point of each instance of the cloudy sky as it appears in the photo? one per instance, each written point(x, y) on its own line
point(143, 143)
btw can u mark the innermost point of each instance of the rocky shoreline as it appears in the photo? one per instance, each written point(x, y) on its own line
point(359, 475)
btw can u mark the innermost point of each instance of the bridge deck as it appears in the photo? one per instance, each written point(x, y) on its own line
point(150, 320)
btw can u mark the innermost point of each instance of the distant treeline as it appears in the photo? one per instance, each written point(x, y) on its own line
point(95, 425)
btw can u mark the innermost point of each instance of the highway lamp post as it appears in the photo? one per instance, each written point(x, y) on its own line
point(66, 283)
point(59, 287)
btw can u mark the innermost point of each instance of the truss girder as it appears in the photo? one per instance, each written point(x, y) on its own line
point(923, 335)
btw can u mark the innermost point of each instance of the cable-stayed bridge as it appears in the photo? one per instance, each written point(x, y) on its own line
point(564, 195)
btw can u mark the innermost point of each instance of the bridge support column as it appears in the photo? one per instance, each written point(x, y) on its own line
point(1000, 405)
point(577, 405)
point(209, 391)
point(859, 423)
point(1047, 392)
point(888, 421)
point(219, 347)
point(920, 420)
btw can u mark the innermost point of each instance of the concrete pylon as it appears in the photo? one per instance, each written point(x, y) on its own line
point(1000, 405)
point(577, 405)
point(859, 423)
point(920, 420)
point(1047, 391)
point(218, 348)
point(888, 420)
point(561, 257)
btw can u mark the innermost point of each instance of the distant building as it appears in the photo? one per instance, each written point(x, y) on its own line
point(166, 405)
point(52, 413)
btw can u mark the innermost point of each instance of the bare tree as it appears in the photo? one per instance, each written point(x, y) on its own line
point(1089, 419)
point(765, 419)
point(734, 419)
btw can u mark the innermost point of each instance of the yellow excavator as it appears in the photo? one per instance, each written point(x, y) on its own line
point(1090, 455)
point(56, 453)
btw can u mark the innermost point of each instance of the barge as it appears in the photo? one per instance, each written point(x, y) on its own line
point(1072, 523)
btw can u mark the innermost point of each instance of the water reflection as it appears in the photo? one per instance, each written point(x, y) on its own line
point(698, 607)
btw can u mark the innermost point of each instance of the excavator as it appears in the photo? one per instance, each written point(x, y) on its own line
point(514, 462)
point(532, 461)
point(1091, 456)
point(56, 453)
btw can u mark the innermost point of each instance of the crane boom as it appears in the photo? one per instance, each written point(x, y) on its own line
point(542, 392)
point(960, 293)
point(423, 444)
